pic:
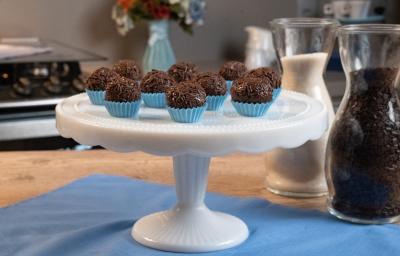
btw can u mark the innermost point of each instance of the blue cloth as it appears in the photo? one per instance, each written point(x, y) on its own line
point(94, 216)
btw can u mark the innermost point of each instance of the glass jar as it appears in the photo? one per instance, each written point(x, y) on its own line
point(363, 154)
point(303, 46)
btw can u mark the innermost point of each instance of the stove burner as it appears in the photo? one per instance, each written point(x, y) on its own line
point(53, 85)
point(23, 87)
point(79, 83)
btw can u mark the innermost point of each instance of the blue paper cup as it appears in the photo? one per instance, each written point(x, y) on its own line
point(251, 109)
point(187, 115)
point(215, 103)
point(96, 97)
point(276, 92)
point(228, 86)
point(154, 100)
point(123, 109)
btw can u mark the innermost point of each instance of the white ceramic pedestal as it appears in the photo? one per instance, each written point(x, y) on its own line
point(190, 226)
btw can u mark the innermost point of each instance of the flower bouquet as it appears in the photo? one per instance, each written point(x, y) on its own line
point(159, 54)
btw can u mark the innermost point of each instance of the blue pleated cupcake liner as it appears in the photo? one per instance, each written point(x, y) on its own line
point(154, 100)
point(123, 109)
point(276, 92)
point(96, 97)
point(215, 103)
point(228, 86)
point(251, 109)
point(187, 115)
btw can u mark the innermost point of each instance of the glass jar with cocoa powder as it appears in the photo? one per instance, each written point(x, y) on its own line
point(363, 153)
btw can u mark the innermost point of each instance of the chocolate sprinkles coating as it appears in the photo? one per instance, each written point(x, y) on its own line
point(122, 89)
point(186, 95)
point(365, 147)
point(232, 70)
point(267, 73)
point(183, 71)
point(156, 81)
point(212, 83)
point(128, 68)
point(251, 90)
point(98, 80)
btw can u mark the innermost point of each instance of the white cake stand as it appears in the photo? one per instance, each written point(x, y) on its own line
point(190, 226)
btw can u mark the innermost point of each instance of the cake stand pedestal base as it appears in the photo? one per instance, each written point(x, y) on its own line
point(190, 226)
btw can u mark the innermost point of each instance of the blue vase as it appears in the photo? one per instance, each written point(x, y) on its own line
point(159, 54)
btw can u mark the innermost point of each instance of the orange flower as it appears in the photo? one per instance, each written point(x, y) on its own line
point(126, 4)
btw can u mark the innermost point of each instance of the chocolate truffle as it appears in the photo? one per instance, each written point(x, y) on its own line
point(183, 71)
point(122, 89)
point(251, 90)
point(128, 69)
point(156, 82)
point(212, 83)
point(267, 73)
point(98, 80)
point(186, 95)
point(232, 70)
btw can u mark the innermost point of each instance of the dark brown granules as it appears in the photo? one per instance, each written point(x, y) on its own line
point(213, 84)
point(122, 89)
point(98, 80)
point(186, 95)
point(232, 70)
point(267, 73)
point(128, 69)
point(364, 164)
point(251, 90)
point(183, 71)
point(156, 81)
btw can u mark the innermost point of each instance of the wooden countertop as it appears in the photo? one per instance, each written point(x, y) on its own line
point(24, 175)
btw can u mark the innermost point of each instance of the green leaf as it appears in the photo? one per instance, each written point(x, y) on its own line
point(176, 8)
point(186, 28)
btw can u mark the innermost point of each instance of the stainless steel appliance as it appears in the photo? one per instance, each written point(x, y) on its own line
point(30, 87)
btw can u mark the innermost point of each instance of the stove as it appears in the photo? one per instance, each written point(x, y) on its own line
point(31, 87)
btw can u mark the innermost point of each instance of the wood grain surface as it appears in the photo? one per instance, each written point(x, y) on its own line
point(24, 175)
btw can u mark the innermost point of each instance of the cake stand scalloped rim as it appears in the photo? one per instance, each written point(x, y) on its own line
point(247, 139)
